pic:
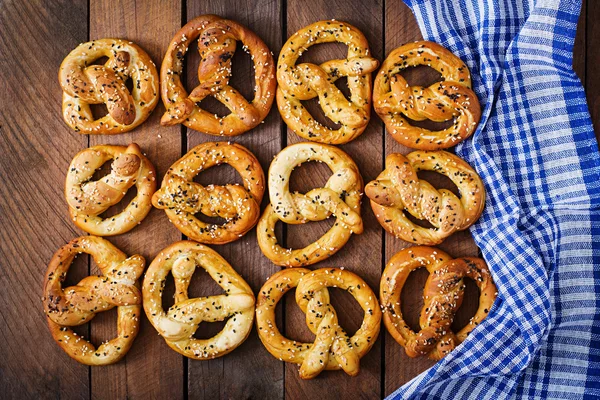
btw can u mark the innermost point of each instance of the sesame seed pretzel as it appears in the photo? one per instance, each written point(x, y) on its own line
point(443, 295)
point(306, 81)
point(332, 348)
point(452, 98)
point(178, 325)
point(88, 199)
point(398, 190)
point(76, 305)
point(217, 38)
point(84, 84)
point(340, 197)
point(181, 197)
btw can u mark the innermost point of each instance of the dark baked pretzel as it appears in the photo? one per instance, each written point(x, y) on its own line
point(88, 199)
point(306, 81)
point(333, 348)
point(340, 197)
point(452, 98)
point(443, 295)
point(398, 190)
point(178, 325)
point(84, 84)
point(78, 304)
point(217, 38)
point(181, 197)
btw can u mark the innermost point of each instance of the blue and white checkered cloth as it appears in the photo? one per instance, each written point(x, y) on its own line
point(540, 231)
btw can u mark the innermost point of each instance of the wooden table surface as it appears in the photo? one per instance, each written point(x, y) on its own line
point(37, 147)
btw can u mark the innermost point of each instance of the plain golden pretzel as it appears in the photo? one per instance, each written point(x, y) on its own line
point(76, 305)
point(443, 295)
point(452, 98)
point(217, 38)
point(178, 325)
point(239, 205)
point(88, 199)
point(299, 82)
point(84, 83)
point(340, 197)
point(333, 348)
point(398, 190)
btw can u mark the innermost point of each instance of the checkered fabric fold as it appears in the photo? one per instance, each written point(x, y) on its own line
point(540, 232)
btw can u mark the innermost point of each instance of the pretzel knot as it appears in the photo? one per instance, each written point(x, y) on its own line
point(178, 325)
point(333, 348)
point(340, 197)
point(181, 197)
point(398, 189)
point(84, 84)
point(217, 39)
point(452, 98)
point(88, 199)
point(443, 295)
point(76, 305)
point(306, 81)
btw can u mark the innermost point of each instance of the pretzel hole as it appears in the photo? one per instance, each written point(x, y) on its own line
point(468, 307)
point(100, 61)
point(411, 298)
point(203, 285)
point(98, 110)
point(104, 326)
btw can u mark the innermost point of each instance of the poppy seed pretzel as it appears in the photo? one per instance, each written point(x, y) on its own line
point(239, 205)
point(178, 325)
point(76, 305)
point(443, 295)
point(217, 39)
point(88, 199)
point(306, 81)
point(452, 98)
point(398, 190)
point(340, 197)
point(84, 83)
point(332, 348)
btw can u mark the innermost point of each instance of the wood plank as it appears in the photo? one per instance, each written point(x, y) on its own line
point(579, 53)
point(362, 254)
point(400, 28)
point(151, 368)
point(37, 147)
point(592, 82)
point(249, 371)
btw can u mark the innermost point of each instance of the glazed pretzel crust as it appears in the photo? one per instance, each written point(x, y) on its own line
point(217, 39)
point(398, 189)
point(452, 98)
point(306, 81)
point(181, 197)
point(443, 295)
point(332, 349)
point(76, 305)
point(178, 325)
point(88, 199)
point(340, 197)
point(84, 84)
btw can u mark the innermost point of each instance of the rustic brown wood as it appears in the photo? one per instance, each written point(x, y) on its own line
point(151, 368)
point(579, 53)
point(592, 83)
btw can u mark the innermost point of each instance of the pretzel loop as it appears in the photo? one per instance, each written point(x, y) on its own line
point(76, 305)
point(178, 325)
point(306, 81)
point(333, 348)
point(340, 197)
point(443, 295)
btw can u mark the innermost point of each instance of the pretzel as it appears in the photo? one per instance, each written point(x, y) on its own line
point(306, 81)
point(178, 325)
point(340, 197)
point(443, 295)
point(181, 197)
point(333, 348)
point(88, 199)
point(452, 98)
point(76, 305)
point(217, 39)
point(398, 190)
point(84, 83)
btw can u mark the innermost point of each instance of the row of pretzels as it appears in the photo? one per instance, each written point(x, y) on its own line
point(396, 191)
